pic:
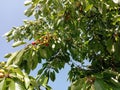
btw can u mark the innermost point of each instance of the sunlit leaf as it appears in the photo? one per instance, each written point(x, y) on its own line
point(19, 85)
point(12, 57)
point(8, 33)
point(18, 43)
point(27, 2)
point(11, 85)
point(88, 7)
point(27, 81)
point(7, 55)
point(3, 84)
point(29, 11)
point(17, 61)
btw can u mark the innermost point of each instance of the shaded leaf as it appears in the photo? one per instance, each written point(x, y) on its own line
point(34, 60)
point(48, 87)
point(99, 84)
point(52, 76)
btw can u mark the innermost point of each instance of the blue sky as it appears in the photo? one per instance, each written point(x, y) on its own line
point(12, 14)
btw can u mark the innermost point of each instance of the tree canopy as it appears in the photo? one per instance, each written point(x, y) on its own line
point(65, 32)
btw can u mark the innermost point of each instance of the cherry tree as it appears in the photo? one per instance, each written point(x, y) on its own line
point(65, 32)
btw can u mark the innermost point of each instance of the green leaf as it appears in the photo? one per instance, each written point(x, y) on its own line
point(34, 82)
point(18, 43)
point(15, 58)
point(99, 84)
point(27, 2)
point(48, 87)
point(45, 53)
point(36, 1)
point(16, 72)
point(110, 45)
point(11, 85)
point(18, 57)
point(19, 85)
point(115, 83)
point(29, 63)
point(40, 71)
point(78, 85)
point(19, 72)
point(52, 76)
point(7, 55)
point(11, 58)
point(29, 11)
point(3, 84)
point(36, 15)
point(8, 33)
point(34, 60)
point(43, 80)
point(117, 51)
point(31, 88)
point(27, 81)
point(88, 7)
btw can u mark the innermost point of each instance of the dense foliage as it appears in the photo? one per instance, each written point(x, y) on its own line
point(65, 32)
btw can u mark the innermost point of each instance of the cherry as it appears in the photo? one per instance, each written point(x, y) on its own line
point(33, 43)
point(1, 75)
point(47, 44)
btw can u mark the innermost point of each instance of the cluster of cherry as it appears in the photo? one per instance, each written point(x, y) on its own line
point(44, 40)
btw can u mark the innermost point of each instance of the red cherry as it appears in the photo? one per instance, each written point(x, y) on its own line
point(46, 44)
point(33, 43)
